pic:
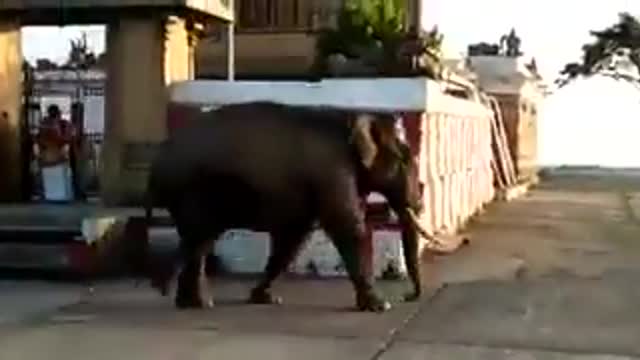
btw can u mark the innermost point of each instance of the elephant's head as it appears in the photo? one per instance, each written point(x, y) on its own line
point(392, 170)
point(386, 158)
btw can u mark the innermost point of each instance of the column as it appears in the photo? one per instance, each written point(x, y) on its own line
point(144, 55)
point(179, 51)
point(10, 110)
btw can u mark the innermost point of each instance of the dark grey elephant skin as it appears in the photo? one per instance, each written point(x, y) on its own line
point(280, 169)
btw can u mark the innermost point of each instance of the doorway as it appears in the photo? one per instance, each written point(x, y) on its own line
point(73, 84)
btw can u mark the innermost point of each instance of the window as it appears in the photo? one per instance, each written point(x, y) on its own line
point(271, 15)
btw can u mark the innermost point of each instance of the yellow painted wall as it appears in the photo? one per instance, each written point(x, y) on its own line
point(179, 62)
point(10, 102)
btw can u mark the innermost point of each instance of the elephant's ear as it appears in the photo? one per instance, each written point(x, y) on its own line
point(363, 139)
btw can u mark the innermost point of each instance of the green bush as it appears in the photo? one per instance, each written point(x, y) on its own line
point(374, 32)
point(363, 25)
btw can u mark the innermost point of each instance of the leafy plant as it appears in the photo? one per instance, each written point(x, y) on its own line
point(371, 35)
point(432, 43)
point(365, 28)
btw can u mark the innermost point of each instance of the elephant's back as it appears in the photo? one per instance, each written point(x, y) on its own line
point(270, 148)
point(265, 137)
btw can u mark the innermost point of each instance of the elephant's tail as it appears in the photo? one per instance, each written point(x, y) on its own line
point(141, 256)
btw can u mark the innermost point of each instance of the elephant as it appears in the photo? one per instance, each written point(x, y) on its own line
point(283, 169)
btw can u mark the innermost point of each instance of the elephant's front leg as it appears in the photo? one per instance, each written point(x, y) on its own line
point(347, 230)
point(192, 284)
point(411, 258)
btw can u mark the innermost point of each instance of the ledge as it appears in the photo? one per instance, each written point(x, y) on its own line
point(55, 12)
point(369, 94)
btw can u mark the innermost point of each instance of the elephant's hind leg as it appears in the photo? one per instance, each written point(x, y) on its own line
point(192, 283)
point(193, 289)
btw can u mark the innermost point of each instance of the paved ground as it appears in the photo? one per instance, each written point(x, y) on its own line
point(549, 276)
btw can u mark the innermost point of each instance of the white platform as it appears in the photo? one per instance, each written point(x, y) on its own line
point(393, 94)
point(416, 94)
point(247, 252)
point(56, 181)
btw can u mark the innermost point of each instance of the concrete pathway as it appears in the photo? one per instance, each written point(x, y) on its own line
point(549, 276)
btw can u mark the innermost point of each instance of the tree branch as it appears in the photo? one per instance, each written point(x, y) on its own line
point(598, 57)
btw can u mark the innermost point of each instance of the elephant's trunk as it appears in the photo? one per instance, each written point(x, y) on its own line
point(431, 240)
point(411, 231)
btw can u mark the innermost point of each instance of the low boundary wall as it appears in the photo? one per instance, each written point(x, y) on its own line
point(452, 137)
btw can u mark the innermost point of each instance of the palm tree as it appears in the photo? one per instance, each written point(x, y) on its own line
point(614, 53)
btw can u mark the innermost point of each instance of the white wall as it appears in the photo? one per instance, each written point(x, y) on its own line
point(63, 102)
point(94, 114)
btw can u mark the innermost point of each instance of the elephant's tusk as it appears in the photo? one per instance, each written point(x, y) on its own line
point(424, 233)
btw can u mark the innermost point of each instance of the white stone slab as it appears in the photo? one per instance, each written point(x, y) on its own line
point(397, 94)
point(57, 182)
point(243, 251)
point(376, 94)
point(247, 252)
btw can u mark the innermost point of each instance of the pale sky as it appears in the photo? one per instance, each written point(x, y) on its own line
point(553, 31)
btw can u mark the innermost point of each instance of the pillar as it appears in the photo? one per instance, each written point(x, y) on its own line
point(179, 51)
point(10, 110)
point(414, 14)
point(143, 56)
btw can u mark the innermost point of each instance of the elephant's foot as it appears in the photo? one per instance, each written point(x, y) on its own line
point(264, 297)
point(412, 296)
point(371, 302)
point(193, 295)
point(193, 301)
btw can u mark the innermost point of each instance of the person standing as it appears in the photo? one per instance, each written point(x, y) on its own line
point(55, 139)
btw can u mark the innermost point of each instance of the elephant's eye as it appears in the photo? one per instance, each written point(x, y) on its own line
point(404, 152)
